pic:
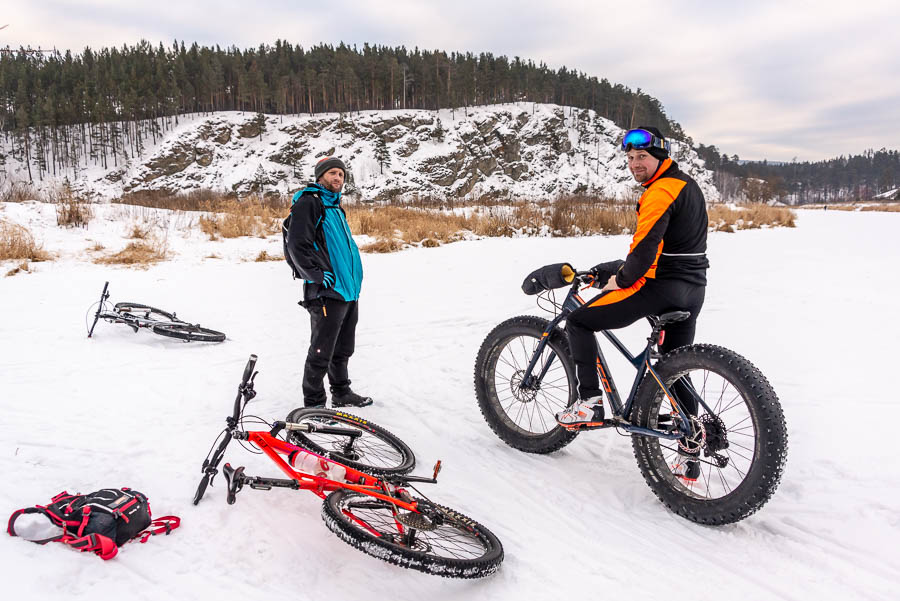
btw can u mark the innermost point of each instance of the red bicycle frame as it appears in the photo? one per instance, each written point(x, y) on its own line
point(358, 481)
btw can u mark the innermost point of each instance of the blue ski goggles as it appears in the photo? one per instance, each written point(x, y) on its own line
point(640, 139)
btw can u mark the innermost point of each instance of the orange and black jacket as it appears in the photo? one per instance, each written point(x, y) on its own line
point(670, 239)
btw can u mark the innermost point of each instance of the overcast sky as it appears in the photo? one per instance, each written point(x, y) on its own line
point(760, 79)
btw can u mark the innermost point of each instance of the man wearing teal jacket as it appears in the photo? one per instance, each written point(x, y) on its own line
point(323, 253)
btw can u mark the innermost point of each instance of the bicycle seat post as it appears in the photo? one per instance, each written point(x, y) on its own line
point(655, 337)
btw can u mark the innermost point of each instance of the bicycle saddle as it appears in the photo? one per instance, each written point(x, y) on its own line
point(670, 317)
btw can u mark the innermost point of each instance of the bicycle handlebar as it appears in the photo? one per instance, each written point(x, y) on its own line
point(248, 371)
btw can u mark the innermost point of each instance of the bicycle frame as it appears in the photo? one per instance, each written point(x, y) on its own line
point(274, 448)
point(132, 320)
point(621, 411)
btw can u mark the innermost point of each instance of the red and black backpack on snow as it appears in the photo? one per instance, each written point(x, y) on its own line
point(100, 521)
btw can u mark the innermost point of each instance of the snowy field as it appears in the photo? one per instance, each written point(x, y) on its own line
point(813, 307)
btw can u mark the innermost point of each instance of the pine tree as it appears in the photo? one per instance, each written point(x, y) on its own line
point(382, 154)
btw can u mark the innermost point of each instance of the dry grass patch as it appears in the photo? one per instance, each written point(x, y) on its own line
point(17, 192)
point(723, 218)
point(264, 256)
point(139, 232)
point(383, 245)
point(227, 215)
point(397, 226)
point(575, 217)
point(137, 254)
point(73, 212)
point(22, 267)
point(249, 217)
point(16, 242)
point(886, 208)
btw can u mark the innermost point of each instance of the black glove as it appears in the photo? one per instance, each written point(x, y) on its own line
point(604, 271)
point(548, 277)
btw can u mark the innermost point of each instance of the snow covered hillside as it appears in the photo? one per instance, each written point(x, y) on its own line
point(813, 307)
point(522, 150)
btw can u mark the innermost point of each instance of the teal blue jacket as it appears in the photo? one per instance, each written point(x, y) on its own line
point(319, 241)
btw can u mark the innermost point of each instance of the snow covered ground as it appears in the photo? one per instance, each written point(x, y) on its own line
point(814, 307)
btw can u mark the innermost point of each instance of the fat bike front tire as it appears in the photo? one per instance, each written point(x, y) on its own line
point(376, 451)
point(524, 418)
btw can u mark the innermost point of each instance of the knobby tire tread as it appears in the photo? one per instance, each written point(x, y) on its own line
point(486, 393)
point(771, 436)
point(411, 559)
point(297, 438)
point(188, 332)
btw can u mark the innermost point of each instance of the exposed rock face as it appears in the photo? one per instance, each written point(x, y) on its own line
point(516, 151)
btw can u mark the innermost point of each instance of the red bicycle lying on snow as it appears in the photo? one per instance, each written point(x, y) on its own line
point(361, 471)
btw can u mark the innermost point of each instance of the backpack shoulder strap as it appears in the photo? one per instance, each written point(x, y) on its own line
point(103, 546)
point(54, 519)
point(165, 524)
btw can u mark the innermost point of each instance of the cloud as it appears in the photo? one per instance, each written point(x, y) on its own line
point(756, 79)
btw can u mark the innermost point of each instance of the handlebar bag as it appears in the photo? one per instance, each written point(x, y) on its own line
point(548, 277)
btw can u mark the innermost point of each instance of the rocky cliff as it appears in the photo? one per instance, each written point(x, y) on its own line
point(517, 151)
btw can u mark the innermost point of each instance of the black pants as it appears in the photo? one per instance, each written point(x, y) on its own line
point(331, 344)
point(620, 308)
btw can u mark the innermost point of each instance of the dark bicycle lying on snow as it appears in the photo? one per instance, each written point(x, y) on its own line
point(524, 375)
point(137, 316)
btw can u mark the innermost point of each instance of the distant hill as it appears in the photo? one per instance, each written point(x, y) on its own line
point(510, 151)
point(868, 176)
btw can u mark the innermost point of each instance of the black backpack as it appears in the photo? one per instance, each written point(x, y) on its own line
point(285, 226)
point(100, 521)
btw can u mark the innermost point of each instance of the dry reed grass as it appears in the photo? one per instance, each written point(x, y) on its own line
point(248, 217)
point(137, 254)
point(73, 212)
point(396, 226)
point(264, 256)
point(17, 192)
point(23, 267)
point(139, 232)
point(723, 218)
point(17, 242)
point(227, 215)
point(885, 208)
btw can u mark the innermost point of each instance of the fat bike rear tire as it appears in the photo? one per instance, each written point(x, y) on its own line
point(746, 431)
point(448, 544)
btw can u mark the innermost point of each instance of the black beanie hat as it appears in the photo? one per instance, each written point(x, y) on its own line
point(660, 154)
point(327, 163)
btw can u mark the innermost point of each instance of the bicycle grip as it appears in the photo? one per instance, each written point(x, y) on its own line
point(248, 371)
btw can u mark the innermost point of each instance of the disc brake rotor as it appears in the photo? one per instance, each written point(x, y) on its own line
point(519, 392)
point(692, 444)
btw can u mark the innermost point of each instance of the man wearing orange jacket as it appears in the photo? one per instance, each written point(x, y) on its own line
point(665, 269)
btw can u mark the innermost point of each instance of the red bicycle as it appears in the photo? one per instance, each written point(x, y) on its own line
point(361, 472)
